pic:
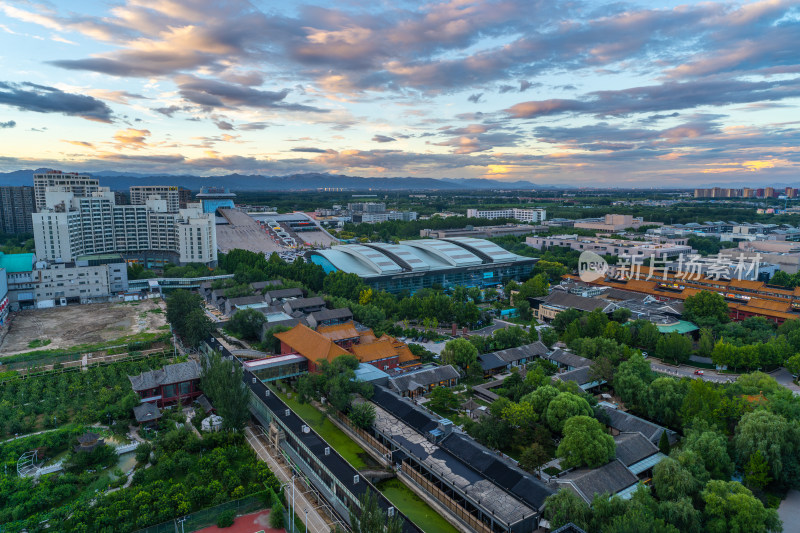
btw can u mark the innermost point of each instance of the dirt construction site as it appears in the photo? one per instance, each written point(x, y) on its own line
point(73, 325)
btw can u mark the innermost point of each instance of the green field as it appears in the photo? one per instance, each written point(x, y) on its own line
point(414, 507)
point(338, 439)
point(401, 496)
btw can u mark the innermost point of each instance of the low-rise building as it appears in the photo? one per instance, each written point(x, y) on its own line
point(614, 223)
point(642, 250)
point(178, 383)
point(548, 307)
point(535, 216)
point(503, 360)
point(329, 317)
point(419, 382)
point(481, 232)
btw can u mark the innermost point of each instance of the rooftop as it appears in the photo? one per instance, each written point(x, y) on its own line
point(587, 483)
point(176, 373)
point(310, 344)
point(14, 263)
point(425, 377)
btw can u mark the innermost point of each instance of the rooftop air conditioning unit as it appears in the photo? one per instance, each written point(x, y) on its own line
point(355, 479)
point(306, 429)
point(254, 380)
point(287, 412)
point(390, 512)
point(327, 450)
point(266, 393)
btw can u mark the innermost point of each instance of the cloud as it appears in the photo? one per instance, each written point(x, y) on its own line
point(308, 150)
point(383, 139)
point(132, 138)
point(665, 97)
point(168, 111)
point(8, 124)
point(215, 94)
point(253, 126)
point(42, 99)
point(475, 98)
point(224, 125)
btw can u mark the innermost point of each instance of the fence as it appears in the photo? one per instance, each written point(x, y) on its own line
point(446, 500)
point(369, 439)
point(208, 517)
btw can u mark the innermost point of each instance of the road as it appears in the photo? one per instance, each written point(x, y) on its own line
point(684, 371)
point(318, 522)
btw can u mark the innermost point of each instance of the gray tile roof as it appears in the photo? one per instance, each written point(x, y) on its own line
point(284, 293)
point(528, 351)
point(332, 314)
point(567, 358)
point(176, 373)
point(573, 301)
point(588, 483)
point(490, 361)
point(633, 447)
point(260, 285)
point(246, 300)
point(301, 303)
point(581, 375)
point(626, 422)
point(423, 378)
point(146, 412)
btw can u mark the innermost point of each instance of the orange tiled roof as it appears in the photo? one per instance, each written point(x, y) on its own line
point(310, 344)
point(339, 332)
point(380, 349)
point(769, 304)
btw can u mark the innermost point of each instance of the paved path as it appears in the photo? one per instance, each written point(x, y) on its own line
point(784, 377)
point(684, 371)
point(318, 522)
point(789, 511)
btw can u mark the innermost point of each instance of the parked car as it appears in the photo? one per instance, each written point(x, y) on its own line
point(699, 372)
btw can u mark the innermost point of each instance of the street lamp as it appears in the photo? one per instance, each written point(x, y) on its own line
point(181, 521)
point(291, 516)
point(306, 511)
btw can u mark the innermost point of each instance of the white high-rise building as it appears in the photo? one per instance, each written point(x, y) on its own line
point(176, 197)
point(70, 226)
point(79, 184)
point(523, 215)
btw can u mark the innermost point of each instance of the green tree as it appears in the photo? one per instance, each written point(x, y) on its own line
point(771, 435)
point(549, 337)
point(756, 472)
point(222, 382)
point(712, 447)
point(197, 328)
point(632, 379)
point(461, 353)
point(271, 342)
point(706, 308)
point(443, 399)
point(664, 400)
point(143, 451)
point(706, 343)
point(362, 415)
point(565, 506)
point(185, 313)
point(621, 315)
point(564, 406)
point(793, 364)
point(639, 520)
point(533, 288)
point(276, 516)
point(674, 348)
point(541, 397)
point(533, 458)
point(247, 324)
point(732, 508)
point(585, 443)
point(663, 443)
point(672, 481)
point(681, 514)
point(368, 517)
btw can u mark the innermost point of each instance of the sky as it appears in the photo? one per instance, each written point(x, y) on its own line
point(578, 93)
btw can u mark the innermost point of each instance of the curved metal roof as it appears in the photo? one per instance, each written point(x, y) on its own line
point(422, 255)
point(492, 251)
point(450, 253)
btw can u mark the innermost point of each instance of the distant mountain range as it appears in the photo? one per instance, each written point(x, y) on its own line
point(295, 182)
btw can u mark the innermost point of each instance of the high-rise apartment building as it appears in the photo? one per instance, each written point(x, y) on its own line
point(177, 197)
point(70, 226)
point(78, 184)
point(17, 204)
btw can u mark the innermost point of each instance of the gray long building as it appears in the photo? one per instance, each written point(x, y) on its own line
point(416, 264)
point(485, 492)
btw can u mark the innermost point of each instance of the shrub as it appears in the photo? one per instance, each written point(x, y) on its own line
point(226, 518)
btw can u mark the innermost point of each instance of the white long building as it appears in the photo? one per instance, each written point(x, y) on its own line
point(79, 184)
point(70, 226)
point(523, 215)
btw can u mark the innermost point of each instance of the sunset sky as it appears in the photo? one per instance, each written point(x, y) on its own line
point(663, 94)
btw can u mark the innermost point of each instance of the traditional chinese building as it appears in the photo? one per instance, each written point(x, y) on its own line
point(330, 342)
point(178, 383)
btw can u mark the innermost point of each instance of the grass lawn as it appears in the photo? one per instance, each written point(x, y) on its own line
point(338, 439)
point(413, 507)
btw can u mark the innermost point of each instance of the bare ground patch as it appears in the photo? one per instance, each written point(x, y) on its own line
point(81, 324)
